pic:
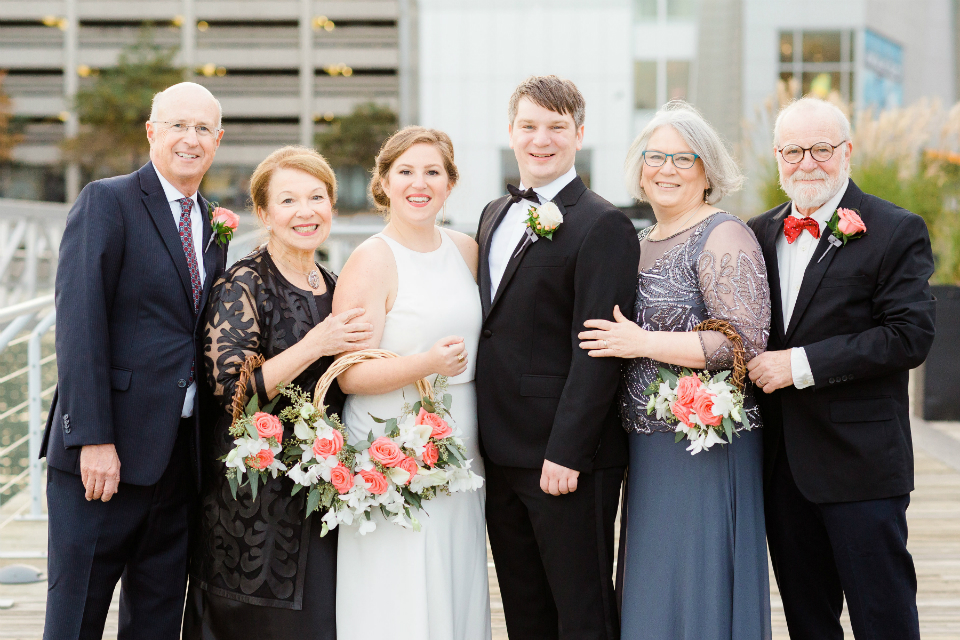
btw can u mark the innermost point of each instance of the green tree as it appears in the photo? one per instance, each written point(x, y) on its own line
point(8, 137)
point(112, 111)
point(355, 140)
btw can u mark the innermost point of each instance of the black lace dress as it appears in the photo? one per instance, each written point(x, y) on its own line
point(693, 544)
point(259, 569)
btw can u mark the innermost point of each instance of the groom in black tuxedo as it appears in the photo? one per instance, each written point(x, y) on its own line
point(550, 433)
point(849, 323)
point(136, 264)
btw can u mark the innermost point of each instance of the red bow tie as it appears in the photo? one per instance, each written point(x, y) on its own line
point(793, 227)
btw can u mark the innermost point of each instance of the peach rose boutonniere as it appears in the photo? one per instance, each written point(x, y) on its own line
point(223, 222)
point(845, 225)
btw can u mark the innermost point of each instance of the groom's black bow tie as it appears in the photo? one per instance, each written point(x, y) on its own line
point(516, 195)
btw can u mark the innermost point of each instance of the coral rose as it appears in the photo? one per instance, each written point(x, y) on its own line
point(430, 454)
point(261, 461)
point(386, 452)
point(703, 405)
point(376, 481)
point(850, 223)
point(226, 217)
point(687, 388)
point(341, 478)
point(325, 447)
point(440, 427)
point(682, 412)
point(268, 426)
point(409, 465)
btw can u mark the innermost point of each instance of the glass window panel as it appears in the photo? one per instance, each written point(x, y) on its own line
point(645, 84)
point(820, 84)
point(645, 9)
point(821, 46)
point(786, 46)
point(681, 8)
point(678, 79)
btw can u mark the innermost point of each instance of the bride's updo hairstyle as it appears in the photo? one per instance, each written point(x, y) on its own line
point(290, 157)
point(395, 146)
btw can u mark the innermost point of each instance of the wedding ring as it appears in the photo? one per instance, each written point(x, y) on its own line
point(604, 343)
point(460, 357)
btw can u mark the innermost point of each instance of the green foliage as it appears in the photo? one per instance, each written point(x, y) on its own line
point(114, 109)
point(8, 138)
point(355, 140)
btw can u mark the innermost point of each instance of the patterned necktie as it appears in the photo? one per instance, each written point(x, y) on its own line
point(186, 237)
point(794, 226)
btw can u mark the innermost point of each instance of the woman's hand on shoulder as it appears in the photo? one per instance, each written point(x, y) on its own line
point(468, 248)
point(620, 339)
point(338, 334)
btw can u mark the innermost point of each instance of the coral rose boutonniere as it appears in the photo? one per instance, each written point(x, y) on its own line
point(544, 220)
point(224, 222)
point(845, 225)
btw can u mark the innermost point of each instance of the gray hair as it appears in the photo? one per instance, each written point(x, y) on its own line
point(723, 174)
point(157, 98)
point(811, 103)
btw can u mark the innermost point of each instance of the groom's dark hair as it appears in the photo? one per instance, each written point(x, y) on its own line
point(553, 93)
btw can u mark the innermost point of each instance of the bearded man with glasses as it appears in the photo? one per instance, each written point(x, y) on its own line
point(137, 261)
point(852, 314)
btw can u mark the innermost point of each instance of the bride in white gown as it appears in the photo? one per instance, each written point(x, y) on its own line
point(417, 284)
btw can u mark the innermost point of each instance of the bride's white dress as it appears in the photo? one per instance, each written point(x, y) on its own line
point(432, 584)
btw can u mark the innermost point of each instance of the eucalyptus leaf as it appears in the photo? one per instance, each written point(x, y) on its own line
point(296, 489)
point(720, 377)
point(411, 497)
point(370, 437)
point(416, 407)
point(272, 404)
point(252, 405)
point(376, 419)
point(668, 376)
point(234, 483)
point(728, 429)
point(363, 445)
point(394, 432)
point(313, 499)
point(254, 477)
point(447, 401)
point(383, 510)
point(652, 389)
point(391, 424)
point(252, 430)
point(678, 437)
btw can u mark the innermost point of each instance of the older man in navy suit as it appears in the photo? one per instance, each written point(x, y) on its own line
point(136, 263)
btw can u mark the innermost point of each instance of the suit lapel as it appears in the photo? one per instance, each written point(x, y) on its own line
point(210, 251)
point(771, 236)
point(819, 263)
point(486, 236)
point(155, 201)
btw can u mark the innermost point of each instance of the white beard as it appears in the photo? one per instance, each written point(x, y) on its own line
point(814, 196)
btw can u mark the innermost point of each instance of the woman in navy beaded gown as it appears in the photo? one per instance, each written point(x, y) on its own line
point(693, 559)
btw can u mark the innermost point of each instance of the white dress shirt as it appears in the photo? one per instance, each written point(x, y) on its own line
point(792, 260)
point(196, 227)
point(507, 236)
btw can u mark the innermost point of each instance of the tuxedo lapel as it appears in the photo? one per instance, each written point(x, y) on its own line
point(770, 237)
point(486, 236)
point(155, 201)
point(819, 263)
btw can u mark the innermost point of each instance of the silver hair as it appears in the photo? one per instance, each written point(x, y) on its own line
point(723, 174)
point(159, 96)
point(811, 103)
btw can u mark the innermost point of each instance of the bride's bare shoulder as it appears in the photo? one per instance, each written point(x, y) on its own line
point(370, 265)
point(467, 246)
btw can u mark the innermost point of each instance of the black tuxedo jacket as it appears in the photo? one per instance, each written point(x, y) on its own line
point(865, 317)
point(126, 332)
point(539, 396)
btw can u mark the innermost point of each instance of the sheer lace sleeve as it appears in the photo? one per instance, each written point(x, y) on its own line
point(232, 331)
point(733, 281)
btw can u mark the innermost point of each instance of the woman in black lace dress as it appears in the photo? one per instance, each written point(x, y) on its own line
point(693, 546)
point(260, 568)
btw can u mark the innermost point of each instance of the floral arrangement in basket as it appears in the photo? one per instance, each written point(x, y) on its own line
point(704, 407)
point(258, 437)
point(417, 456)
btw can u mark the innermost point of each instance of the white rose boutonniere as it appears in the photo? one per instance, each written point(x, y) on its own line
point(544, 220)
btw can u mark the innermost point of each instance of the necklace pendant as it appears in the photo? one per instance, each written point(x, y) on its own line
point(313, 279)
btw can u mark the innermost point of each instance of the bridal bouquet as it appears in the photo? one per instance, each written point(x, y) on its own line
point(705, 408)
point(258, 436)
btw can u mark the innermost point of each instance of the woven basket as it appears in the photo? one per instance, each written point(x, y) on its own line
point(342, 364)
point(739, 376)
point(253, 361)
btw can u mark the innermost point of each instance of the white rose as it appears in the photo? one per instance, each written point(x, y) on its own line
point(549, 216)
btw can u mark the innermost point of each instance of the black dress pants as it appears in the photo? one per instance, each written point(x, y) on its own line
point(821, 552)
point(554, 554)
point(138, 538)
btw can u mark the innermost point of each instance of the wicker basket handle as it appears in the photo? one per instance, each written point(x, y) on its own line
point(342, 364)
point(739, 376)
point(252, 361)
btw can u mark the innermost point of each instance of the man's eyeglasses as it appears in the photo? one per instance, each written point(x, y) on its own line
point(821, 152)
point(182, 128)
point(659, 158)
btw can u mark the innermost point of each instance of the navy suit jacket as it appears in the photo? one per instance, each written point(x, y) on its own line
point(126, 332)
point(865, 317)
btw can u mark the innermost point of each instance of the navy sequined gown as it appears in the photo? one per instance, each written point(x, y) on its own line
point(693, 547)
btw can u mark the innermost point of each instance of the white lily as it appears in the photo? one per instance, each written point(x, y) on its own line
point(302, 430)
point(398, 476)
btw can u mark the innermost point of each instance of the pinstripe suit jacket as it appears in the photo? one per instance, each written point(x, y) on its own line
point(126, 331)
